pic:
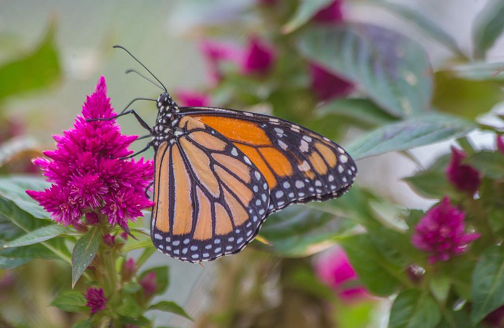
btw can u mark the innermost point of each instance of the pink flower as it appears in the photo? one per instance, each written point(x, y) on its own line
point(334, 269)
point(327, 85)
point(87, 173)
point(441, 232)
point(192, 98)
point(95, 299)
point(149, 283)
point(332, 14)
point(258, 57)
point(109, 240)
point(500, 143)
point(464, 177)
point(495, 318)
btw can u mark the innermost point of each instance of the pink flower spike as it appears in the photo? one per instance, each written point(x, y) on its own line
point(109, 240)
point(192, 98)
point(327, 85)
point(334, 269)
point(128, 269)
point(441, 232)
point(464, 177)
point(86, 173)
point(258, 57)
point(332, 14)
point(95, 299)
point(149, 283)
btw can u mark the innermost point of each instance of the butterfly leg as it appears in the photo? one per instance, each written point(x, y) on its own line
point(131, 111)
point(138, 152)
point(147, 189)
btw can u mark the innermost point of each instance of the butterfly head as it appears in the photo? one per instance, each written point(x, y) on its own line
point(166, 105)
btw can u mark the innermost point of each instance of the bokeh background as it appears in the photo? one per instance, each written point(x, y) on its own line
point(166, 36)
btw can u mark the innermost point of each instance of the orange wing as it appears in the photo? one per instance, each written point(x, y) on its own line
point(298, 164)
point(210, 197)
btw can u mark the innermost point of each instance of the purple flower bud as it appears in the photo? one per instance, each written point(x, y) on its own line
point(495, 318)
point(148, 283)
point(86, 173)
point(464, 177)
point(95, 299)
point(441, 232)
point(332, 14)
point(109, 240)
point(192, 98)
point(258, 57)
point(327, 85)
point(128, 269)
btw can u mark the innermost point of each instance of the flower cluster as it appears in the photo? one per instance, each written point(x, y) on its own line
point(464, 177)
point(95, 299)
point(87, 173)
point(441, 232)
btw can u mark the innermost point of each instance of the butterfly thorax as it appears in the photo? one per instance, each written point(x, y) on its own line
point(166, 122)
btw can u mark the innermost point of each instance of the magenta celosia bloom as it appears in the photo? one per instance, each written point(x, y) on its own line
point(87, 175)
point(216, 52)
point(334, 269)
point(332, 14)
point(149, 283)
point(327, 85)
point(500, 143)
point(464, 177)
point(109, 240)
point(441, 232)
point(258, 57)
point(128, 269)
point(95, 299)
point(192, 98)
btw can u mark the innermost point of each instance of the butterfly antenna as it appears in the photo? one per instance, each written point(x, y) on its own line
point(129, 53)
point(145, 77)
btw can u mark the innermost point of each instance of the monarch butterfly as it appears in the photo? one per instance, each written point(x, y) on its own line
point(219, 173)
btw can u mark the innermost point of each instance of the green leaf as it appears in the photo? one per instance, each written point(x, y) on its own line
point(440, 287)
point(361, 112)
point(412, 309)
point(428, 26)
point(137, 244)
point(36, 70)
point(488, 27)
point(39, 235)
point(162, 278)
point(490, 163)
point(84, 252)
point(392, 69)
point(414, 132)
point(479, 71)
point(171, 307)
point(14, 189)
point(129, 307)
point(305, 11)
point(70, 301)
point(456, 319)
point(379, 276)
point(431, 183)
point(488, 284)
point(131, 287)
point(140, 321)
point(465, 98)
point(82, 324)
point(303, 230)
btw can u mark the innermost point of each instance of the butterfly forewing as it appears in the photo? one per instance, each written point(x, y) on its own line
point(298, 164)
point(210, 197)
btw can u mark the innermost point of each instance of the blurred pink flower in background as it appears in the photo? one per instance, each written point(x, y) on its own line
point(464, 177)
point(327, 85)
point(192, 98)
point(334, 269)
point(95, 299)
point(332, 14)
point(86, 171)
point(500, 143)
point(255, 58)
point(441, 232)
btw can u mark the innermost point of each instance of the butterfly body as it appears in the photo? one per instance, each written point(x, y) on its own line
point(220, 172)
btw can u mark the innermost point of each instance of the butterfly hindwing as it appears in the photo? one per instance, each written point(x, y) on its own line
point(298, 164)
point(210, 197)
